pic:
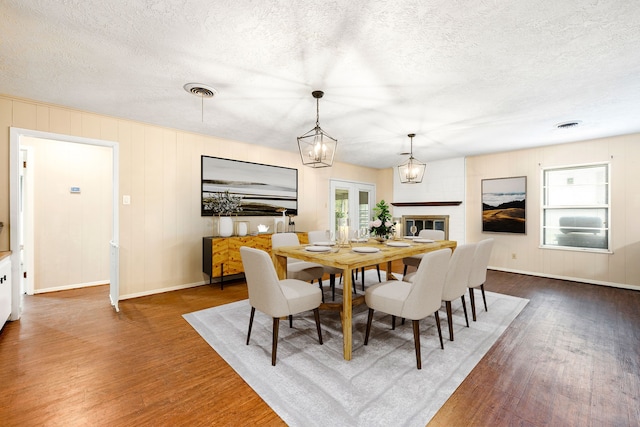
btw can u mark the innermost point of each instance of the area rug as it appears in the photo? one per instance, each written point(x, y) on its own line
point(312, 385)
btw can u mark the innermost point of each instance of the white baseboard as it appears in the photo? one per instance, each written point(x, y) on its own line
point(72, 286)
point(571, 279)
point(160, 291)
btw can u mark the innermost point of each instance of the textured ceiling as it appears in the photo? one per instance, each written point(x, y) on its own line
point(466, 77)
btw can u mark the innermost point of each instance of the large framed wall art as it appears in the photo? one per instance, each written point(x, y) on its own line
point(265, 189)
point(503, 205)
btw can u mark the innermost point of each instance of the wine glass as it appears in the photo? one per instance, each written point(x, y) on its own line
point(413, 230)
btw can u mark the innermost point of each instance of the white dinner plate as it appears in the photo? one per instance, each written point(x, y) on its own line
point(324, 243)
point(410, 237)
point(398, 244)
point(365, 249)
point(424, 240)
point(317, 248)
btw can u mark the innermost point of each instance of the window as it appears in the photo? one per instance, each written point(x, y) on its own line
point(575, 211)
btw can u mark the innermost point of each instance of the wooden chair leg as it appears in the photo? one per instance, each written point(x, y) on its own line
point(362, 271)
point(320, 286)
point(416, 340)
point(253, 311)
point(393, 323)
point(316, 315)
point(404, 272)
point(484, 298)
point(378, 269)
point(369, 319)
point(439, 330)
point(274, 345)
point(449, 319)
point(464, 308)
point(291, 321)
point(473, 304)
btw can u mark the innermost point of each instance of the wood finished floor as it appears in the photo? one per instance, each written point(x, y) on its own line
point(571, 358)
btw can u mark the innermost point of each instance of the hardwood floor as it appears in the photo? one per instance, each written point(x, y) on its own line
point(571, 358)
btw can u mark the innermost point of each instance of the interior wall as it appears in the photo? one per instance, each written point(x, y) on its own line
point(161, 230)
point(72, 230)
point(522, 253)
point(444, 181)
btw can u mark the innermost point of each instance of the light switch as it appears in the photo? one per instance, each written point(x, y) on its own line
point(126, 200)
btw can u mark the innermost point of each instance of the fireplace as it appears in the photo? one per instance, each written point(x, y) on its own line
point(426, 222)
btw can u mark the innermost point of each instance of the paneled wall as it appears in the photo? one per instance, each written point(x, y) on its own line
point(522, 253)
point(161, 230)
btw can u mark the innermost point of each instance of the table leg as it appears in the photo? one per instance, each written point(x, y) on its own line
point(280, 263)
point(389, 275)
point(347, 315)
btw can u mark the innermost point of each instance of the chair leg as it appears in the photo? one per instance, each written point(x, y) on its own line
point(274, 345)
point(290, 321)
point(464, 307)
point(320, 286)
point(332, 285)
point(378, 269)
point(353, 280)
point(362, 270)
point(449, 319)
point(369, 319)
point(316, 315)
point(416, 340)
point(473, 304)
point(253, 311)
point(439, 330)
point(484, 298)
point(393, 323)
point(404, 272)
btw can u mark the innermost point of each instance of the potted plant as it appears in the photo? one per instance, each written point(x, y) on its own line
point(224, 204)
point(381, 226)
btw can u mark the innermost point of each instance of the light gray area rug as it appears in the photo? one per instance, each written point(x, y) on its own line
point(312, 385)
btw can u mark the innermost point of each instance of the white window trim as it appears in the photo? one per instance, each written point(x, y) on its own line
point(609, 249)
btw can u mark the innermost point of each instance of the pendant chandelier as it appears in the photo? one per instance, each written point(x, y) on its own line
point(317, 148)
point(411, 171)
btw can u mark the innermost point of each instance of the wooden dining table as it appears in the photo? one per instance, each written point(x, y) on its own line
point(347, 259)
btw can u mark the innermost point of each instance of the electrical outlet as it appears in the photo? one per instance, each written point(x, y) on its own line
point(513, 256)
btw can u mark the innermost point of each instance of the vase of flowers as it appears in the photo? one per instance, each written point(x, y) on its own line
point(224, 204)
point(381, 227)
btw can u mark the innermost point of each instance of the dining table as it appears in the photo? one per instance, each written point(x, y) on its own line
point(351, 256)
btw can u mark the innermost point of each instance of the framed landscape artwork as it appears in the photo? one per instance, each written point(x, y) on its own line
point(503, 205)
point(265, 189)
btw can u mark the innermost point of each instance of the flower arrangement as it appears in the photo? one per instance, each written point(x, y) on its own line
point(223, 203)
point(382, 225)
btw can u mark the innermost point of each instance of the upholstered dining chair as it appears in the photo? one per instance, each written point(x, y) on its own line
point(413, 301)
point(455, 284)
point(298, 269)
point(274, 297)
point(319, 236)
point(478, 273)
point(415, 259)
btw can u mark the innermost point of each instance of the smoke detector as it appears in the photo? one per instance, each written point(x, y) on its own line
point(569, 124)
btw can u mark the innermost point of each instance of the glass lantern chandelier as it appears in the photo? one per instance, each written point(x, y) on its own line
point(411, 171)
point(317, 148)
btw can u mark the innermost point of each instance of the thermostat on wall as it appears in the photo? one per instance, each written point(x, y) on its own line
point(75, 190)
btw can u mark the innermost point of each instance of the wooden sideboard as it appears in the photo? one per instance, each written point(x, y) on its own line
point(221, 255)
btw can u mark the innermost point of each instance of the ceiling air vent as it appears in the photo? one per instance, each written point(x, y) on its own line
point(200, 90)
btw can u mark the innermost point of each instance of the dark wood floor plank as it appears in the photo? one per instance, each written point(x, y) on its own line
point(572, 357)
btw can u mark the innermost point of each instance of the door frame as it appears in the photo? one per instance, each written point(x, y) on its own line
point(16, 220)
point(352, 187)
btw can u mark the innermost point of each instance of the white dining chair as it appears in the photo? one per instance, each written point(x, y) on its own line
point(415, 300)
point(478, 273)
point(296, 268)
point(455, 284)
point(322, 236)
point(415, 259)
point(274, 297)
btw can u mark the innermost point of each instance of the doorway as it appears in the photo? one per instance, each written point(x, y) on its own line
point(351, 205)
point(21, 245)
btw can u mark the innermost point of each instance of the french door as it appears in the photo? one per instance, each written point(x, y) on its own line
point(351, 205)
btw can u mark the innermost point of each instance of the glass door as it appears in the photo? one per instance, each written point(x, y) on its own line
point(351, 206)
